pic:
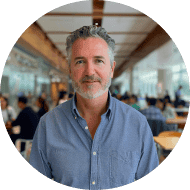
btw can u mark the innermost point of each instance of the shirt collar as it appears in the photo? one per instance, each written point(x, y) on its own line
point(108, 112)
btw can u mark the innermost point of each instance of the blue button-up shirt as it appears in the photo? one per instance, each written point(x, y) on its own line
point(122, 150)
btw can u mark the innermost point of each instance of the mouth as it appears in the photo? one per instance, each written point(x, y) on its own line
point(90, 81)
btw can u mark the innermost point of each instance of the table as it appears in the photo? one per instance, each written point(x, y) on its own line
point(181, 109)
point(177, 120)
point(167, 143)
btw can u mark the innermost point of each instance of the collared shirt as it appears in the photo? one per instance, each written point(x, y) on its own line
point(153, 113)
point(122, 150)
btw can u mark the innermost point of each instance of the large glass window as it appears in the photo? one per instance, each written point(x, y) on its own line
point(180, 77)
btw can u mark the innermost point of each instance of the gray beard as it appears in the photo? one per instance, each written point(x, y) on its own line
point(90, 94)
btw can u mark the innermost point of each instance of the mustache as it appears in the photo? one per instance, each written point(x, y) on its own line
point(91, 78)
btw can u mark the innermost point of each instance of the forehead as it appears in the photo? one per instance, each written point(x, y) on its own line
point(89, 46)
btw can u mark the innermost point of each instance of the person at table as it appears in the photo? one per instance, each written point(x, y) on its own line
point(160, 104)
point(43, 107)
point(125, 99)
point(71, 94)
point(168, 112)
point(167, 97)
point(93, 141)
point(181, 105)
point(134, 102)
point(63, 97)
point(8, 113)
point(153, 112)
point(27, 119)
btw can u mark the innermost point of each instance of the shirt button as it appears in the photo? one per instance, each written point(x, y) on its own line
point(93, 183)
point(75, 117)
point(94, 153)
point(86, 127)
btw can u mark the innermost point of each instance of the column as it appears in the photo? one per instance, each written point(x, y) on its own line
point(35, 85)
point(164, 82)
point(131, 82)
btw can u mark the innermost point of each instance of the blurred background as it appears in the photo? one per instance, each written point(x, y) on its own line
point(149, 65)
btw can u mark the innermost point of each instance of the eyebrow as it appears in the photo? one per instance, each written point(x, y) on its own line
point(76, 58)
point(96, 57)
point(99, 57)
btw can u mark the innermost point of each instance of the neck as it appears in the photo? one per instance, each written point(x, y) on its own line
point(95, 107)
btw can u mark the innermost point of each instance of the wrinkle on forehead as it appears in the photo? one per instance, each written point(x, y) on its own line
point(82, 46)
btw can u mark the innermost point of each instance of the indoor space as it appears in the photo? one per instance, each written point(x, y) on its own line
point(150, 74)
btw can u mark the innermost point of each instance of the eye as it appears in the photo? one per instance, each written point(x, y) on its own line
point(79, 62)
point(99, 61)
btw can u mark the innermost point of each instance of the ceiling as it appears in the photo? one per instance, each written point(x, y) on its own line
point(135, 34)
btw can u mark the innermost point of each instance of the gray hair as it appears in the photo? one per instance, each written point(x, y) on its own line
point(87, 32)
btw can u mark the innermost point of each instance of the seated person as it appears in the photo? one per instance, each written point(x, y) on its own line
point(181, 105)
point(27, 119)
point(169, 113)
point(160, 104)
point(153, 112)
point(125, 99)
point(134, 102)
point(41, 103)
point(9, 115)
point(8, 112)
point(63, 97)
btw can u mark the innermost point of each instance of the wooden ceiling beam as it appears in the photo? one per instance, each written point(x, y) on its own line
point(112, 33)
point(126, 44)
point(96, 14)
point(154, 40)
point(35, 40)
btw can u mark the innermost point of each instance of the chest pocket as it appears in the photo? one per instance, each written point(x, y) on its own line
point(123, 167)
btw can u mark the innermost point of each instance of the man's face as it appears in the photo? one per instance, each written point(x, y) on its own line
point(90, 68)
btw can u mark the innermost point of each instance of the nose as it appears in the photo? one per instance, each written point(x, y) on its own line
point(89, 68)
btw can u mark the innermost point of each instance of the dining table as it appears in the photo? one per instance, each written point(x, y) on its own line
point(167, 143)
point(181, 109)
point(177, 120)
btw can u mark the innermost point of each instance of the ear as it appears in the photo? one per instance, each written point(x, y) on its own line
point(112, 69)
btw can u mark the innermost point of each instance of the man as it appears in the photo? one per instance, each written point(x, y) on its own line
point(153, 112)
point(178, 96)
point(93, 141)
point(156, 120)
point(134, 102)
point(27, 120)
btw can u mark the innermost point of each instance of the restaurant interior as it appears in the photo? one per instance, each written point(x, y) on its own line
point(149, 66)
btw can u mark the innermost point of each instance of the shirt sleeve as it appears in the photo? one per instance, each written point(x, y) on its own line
point(149, 157)
point(38, 156)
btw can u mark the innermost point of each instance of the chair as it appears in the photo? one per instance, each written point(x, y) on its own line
point(27, 147)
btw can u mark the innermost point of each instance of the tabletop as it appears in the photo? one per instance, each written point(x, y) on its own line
point(167, 143)
point(177, 120)
point(181, 109)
